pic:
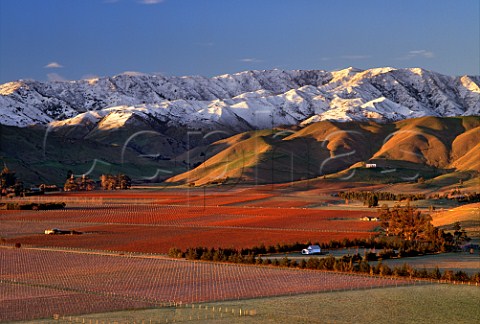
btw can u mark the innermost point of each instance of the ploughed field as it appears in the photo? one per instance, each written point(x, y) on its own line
point(38, 283)
point(153, 222)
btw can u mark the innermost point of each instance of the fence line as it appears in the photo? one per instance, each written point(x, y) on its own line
point(181, 313)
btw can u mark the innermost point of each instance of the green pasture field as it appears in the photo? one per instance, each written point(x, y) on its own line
point(424, 303)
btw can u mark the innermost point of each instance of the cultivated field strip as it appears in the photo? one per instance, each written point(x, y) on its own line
point(226, 217)
point(40, 276)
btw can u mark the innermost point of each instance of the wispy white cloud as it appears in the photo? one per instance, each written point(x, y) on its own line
point(55, 77)
point(424, 53)
point(356, 57)
point(250, 60)
point(417, 54)
point(150, 2)
point(53, 65)
point(205, 44)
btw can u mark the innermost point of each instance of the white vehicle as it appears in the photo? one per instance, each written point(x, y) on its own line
point(312, 249)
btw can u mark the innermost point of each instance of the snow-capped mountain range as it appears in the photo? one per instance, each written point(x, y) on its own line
point(241, 101)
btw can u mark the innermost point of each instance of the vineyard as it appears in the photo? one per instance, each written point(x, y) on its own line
point(115, 261)
point(146, 222)
point(37, 283)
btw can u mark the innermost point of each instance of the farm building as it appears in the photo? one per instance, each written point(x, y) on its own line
point(312, 249)
point(370, 219)
point(54, 231)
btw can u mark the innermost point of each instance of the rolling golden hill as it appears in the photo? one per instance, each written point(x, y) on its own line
point(423, 147)
point(465, 213)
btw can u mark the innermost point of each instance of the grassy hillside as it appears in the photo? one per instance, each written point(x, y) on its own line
point(430, 141)
point(467, 215)
point(426, 147)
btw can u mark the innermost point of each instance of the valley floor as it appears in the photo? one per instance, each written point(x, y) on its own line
point(119, 262)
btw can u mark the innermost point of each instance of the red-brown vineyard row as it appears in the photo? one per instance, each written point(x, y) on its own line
point(287, 218)
point(28, 302)
point(38, 283)
point(179, 197)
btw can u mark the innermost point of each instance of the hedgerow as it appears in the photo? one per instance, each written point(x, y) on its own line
point(33, 206)
point(347, 263)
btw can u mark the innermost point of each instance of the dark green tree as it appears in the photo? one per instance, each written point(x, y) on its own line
point(7, 178)
point(71, 184)
point(435, 273)
point(124, 181)
point(372, 200)
point(459, 235)
point(407, 223)
point(111, 182)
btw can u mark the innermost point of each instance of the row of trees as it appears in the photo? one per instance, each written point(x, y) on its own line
point(9, 183)
point(371, 198)
point(33, 206)
point(107, 182)
point(349, 263)
point(458, 195)
point(83, 183)
point(113, 182)
point(364, 195)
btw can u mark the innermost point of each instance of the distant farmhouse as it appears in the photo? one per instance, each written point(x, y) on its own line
point(370, 219)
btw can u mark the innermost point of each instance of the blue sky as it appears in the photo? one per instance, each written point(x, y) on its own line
point(74, 39)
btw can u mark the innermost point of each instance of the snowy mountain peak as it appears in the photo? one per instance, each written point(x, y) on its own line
point(241, 101)
point(10, 87)
point(469, 84)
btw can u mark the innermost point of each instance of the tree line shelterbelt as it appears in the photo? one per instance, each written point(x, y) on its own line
point(107, 182)
point(11, 186)
point(32, 206)
point(349, 263)
point(371, 199)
